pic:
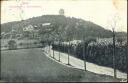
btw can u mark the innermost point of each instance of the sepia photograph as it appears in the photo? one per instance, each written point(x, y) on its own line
point(63, 41)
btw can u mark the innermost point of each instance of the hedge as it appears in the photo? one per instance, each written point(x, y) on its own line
point(101, 54)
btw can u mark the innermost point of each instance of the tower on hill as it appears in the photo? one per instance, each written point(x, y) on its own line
point(61, 12)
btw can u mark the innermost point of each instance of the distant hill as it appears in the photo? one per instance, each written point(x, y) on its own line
point(71, 26)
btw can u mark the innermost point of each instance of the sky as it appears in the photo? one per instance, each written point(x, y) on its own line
point(102, 12)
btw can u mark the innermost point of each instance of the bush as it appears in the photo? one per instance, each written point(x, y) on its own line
point(5, 46)
point(12, 44)
point(35, 43)
point(104, 56)
point(21, 44)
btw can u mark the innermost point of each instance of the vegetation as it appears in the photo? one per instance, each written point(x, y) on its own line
point(103, 55)
point(67, 26)
point(15, 44)
point(61, 29)
point(97, 52)
point(12, 44)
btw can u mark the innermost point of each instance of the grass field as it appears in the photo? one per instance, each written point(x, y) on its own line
point(31, 65)
point(5, 41)
point(26, 43)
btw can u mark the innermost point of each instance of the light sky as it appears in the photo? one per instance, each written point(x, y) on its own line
point(100, 12)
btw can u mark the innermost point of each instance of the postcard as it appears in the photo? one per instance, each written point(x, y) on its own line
point(64, 41)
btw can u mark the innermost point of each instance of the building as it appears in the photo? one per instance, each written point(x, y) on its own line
point(28, 28)
point(61, 12)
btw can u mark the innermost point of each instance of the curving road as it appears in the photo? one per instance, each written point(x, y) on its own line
point(78, 63)
point(32, 65)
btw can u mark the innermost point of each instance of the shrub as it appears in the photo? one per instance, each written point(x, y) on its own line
point(35, 43)
point(12, 44)
point(21, 44)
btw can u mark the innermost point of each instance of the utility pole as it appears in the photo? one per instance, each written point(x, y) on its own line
point(114, 65)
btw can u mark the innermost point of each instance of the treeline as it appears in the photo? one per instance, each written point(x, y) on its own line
point(101, 54)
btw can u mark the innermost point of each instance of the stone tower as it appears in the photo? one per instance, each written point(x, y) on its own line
point(61, 12)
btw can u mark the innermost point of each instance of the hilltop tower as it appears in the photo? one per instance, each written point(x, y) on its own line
point(61, 12)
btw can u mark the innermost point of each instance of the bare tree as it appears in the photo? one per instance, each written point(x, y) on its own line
point(69, 34)
point(60, 32)
point(113, 25)
point(84, 52)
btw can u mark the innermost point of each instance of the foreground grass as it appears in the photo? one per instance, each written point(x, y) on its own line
point(31, 65)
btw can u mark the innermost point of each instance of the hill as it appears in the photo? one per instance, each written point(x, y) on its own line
point(66, 26)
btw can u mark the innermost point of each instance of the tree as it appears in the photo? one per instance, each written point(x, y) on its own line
point(120, 40)
point(60, 31)
point(69, 34)
point(12, 44)
point(114, 24)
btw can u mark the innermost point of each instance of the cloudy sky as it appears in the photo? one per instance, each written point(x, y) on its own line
point(101, 12)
